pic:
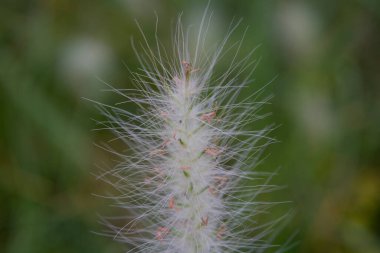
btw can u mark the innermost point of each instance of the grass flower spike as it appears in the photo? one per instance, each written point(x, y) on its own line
point(187, 181)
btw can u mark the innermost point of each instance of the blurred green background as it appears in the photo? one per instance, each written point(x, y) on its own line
point(324, 54)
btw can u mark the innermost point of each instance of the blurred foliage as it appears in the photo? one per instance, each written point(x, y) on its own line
point(326, 59)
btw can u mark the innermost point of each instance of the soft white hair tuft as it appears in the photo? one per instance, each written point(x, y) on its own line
point(189, 181)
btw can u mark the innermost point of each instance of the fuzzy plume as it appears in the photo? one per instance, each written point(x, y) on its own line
point(188, 182)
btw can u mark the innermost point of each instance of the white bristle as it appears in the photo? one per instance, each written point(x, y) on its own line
point(188, 181)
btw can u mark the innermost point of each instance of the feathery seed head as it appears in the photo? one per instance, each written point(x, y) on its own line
point(187, 182)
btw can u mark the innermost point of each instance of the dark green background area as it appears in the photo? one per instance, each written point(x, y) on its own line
point(324, 56)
